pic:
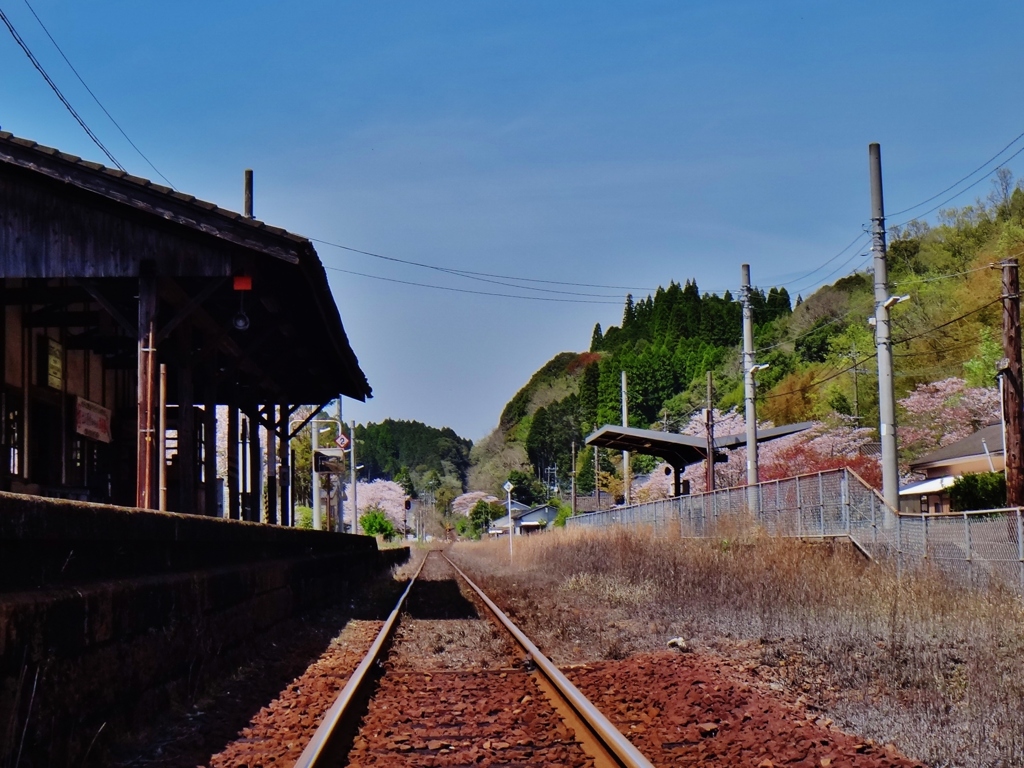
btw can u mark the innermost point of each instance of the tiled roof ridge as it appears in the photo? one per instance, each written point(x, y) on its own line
point(180, 197)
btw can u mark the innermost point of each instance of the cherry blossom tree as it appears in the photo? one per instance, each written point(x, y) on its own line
point(822, 447)
point(463, 505)
point(387, 496)
point(940, 413)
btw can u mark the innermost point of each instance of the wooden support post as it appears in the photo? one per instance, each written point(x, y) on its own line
point(188, 466)
point(1013, 398)
point(146, 379)
point(255, 467)
point(232, 451)
point(210, 447)
point(284, 449)
point(272, 506)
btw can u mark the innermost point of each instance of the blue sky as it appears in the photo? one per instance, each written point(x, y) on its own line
point(618, 144)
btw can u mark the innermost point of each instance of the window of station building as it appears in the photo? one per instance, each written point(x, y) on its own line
point(10, 433)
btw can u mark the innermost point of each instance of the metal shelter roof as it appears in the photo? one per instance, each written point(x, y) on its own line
point(680, 450)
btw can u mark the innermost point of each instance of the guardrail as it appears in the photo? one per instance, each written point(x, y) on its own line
point(977, 547)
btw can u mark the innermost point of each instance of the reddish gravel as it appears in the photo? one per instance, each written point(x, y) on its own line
point(448, 718)
point(279, 732)
point(451, 696)
point(687, 709)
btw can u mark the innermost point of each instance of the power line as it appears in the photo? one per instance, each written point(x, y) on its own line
point(467, 273)
point(95, 98)
point(942, 277)
point(959, 181)
point(466, 290)
point(39, 67)
point(840, 372)
point(803, 277)
point(970, 186)
point(948, 322)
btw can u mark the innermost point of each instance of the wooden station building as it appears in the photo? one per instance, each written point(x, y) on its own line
point(108, 281)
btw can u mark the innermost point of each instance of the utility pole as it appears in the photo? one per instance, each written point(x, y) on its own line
point(625, 454)
point(353, 469)
point(856, 388)
point(1010, 384)
point(573, 477)
point(315, 437)
point(709, 424)
point(883, 344)
point(748, 388)
point(339, 526)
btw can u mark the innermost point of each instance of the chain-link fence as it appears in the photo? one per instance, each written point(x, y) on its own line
point(974, 547)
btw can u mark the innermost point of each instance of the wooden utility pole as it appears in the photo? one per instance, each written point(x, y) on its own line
point(1013, 402)
point(709, 470)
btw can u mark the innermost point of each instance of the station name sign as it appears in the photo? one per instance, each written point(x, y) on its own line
point(92, 420)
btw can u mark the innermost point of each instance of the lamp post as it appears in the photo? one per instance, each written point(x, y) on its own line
point(508, 490)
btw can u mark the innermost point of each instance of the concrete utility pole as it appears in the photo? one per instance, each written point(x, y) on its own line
point(625, 454)
point(573, 478)
point(354, 469)
point(883, 344)
point(709, 430)
point(340, 525)
point(315, 436)
point(1010, 385)
point(748, 388)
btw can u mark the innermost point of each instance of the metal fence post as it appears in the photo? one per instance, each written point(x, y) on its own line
point(970, 559)
point(1020, 548)
point(821, 504)
point(874, 525)
point(899, 546)
point(799, 510)
point(924, 522)
point(844, 495)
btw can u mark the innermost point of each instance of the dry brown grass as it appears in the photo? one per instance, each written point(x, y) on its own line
point(935, 668)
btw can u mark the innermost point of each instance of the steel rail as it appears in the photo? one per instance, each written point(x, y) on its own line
point(324, 745)
point(606, 734)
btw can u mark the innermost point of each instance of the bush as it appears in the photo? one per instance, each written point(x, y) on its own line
point(564, 513)
point(983, 490)
point(304, 517)
point(376, 523)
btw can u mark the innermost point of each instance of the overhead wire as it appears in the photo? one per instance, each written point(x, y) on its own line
point(467, 290)
point(467, 273)
point(957, 183)
point(53, 86)
point(894, 342)
point(96, 98)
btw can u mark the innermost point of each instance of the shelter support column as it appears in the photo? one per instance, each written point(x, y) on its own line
point(272, 506)
point(187, 465)
point(210, 445)
point(145, 446)
point(255, 466)
point(232, 450)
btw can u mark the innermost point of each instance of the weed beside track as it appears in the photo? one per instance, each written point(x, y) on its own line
point(932, 667)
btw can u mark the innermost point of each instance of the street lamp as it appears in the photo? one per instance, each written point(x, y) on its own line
point(508, 489)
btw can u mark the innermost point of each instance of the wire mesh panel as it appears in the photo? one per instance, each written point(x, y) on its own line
point(972, 547)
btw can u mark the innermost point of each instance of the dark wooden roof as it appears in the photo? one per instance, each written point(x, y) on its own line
point(62, 217)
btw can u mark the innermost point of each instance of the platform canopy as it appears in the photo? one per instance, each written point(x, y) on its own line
point(680, 450)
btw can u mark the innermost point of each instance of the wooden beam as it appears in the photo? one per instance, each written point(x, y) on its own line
point(210, 443)
point(146, 394)
point(190, 306)
point(129, 327)
point(188, 468)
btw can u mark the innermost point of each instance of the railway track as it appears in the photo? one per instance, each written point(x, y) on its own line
point(450, 680)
